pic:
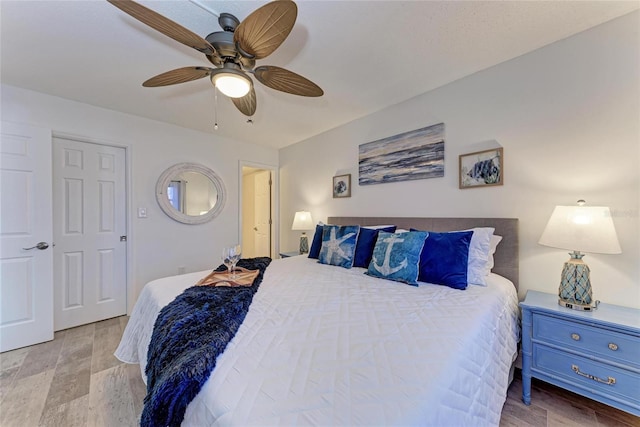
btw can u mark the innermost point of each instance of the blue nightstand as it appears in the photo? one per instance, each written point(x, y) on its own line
point(595, 354)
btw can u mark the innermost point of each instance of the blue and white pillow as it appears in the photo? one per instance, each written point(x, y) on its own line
point(339, 245)
point(396, 256)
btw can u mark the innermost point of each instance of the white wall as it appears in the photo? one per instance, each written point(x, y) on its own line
point(159, 244)
point(568, 117)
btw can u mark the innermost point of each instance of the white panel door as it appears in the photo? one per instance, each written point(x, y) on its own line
point(89, 216)
point(248, 217)
point(26, 275)
point(262, 208)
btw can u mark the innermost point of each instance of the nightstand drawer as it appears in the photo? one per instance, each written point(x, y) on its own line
point(610, 345)
point(599, 378)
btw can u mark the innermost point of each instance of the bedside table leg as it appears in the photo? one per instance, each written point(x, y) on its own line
point(526, 389)
point(526, 357)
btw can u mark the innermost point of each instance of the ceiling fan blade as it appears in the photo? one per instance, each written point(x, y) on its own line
point(286, 81)
point(246, 104)
point(164, 25)
point(180, 75)
point(266, 28)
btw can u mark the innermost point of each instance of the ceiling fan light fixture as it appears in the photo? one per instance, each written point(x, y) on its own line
point(233, 52)
point(231, 82)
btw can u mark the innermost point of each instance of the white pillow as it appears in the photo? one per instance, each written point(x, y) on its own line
point(479, 249)
point(495, 239)
point(377, 227)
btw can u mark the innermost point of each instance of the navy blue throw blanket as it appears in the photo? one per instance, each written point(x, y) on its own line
point(188, 336)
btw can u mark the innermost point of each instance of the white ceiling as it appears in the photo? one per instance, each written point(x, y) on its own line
point(366, 55)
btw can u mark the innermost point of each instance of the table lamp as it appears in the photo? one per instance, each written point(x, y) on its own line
point(579, 229)
point(303, 221)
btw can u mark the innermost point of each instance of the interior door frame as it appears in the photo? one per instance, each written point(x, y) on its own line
point(275, 205)
point(128, 156)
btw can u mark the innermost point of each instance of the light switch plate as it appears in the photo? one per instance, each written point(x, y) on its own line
point(142, 212)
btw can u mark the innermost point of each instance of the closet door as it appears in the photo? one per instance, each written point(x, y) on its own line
point(89, 228)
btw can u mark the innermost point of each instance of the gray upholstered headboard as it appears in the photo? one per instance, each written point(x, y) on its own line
point(506, 256)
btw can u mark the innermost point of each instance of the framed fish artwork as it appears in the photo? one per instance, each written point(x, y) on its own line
point(481, 168)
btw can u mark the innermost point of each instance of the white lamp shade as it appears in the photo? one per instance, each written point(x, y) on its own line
point(582, 229)
point(302, 221)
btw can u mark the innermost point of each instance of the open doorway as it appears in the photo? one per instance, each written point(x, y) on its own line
point(257, 212)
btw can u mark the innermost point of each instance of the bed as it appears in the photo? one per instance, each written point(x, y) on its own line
point(325, 345)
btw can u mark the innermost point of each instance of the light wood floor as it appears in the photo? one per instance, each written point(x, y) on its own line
point(553, 406)
point(75, 380)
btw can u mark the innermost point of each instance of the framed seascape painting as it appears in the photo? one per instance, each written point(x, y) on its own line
point(342, 186)
point(417, 154)
point(482, 168)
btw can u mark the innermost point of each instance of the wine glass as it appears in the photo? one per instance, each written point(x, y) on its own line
point(235, 252)
point(227, 259)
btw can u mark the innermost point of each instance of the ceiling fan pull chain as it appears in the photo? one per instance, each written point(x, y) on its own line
point(215, 107)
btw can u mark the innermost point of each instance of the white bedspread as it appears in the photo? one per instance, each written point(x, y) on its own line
point(322, 345)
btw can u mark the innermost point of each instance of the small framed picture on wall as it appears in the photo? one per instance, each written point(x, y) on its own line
point(342, 186)
point(482, 168)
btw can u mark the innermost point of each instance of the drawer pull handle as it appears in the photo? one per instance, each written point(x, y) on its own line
point(575, 337)
point(609, 381)
point(613, 346)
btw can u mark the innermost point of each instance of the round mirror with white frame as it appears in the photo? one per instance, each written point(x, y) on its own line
point(190, 193)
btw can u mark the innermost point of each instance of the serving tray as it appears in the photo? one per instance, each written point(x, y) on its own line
point(243, 277)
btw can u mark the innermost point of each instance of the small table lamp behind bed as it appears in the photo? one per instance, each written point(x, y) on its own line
point(303, 221)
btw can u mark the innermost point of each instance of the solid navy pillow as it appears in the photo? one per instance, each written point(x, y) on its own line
point(366, 243)
point(316, 243)
point(444, 259)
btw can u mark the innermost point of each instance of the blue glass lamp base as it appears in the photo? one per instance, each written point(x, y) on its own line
point(304, 244)
point(575, 286)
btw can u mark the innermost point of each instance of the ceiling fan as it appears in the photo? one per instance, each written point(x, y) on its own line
point(233, 52)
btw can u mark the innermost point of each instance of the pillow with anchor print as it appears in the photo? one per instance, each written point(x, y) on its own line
point(396, 256)
point(339, 245)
